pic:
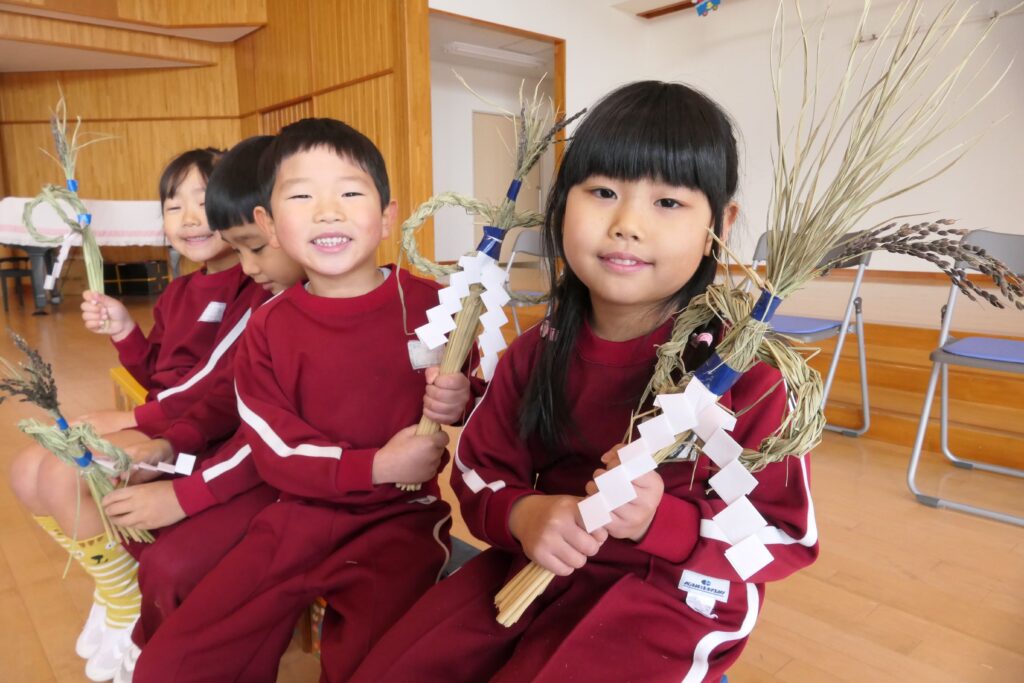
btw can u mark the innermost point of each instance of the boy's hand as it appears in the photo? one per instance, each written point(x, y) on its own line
point(446, 397)
point(552, 534)
point(408, 458)
point(145, 506)
point(632, 520)
point(103, 314)
point(108, 421)
point(151, 451)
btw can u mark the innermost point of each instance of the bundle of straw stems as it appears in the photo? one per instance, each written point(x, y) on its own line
point(73, 443)
point(518, 594)
point(68, 143)
point(460, 343)
point(34, 383)
point(534, 133)
point(799, 432)
point(57, 197)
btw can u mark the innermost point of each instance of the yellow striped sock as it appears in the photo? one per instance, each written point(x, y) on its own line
point(116, 575)
point(52, 528)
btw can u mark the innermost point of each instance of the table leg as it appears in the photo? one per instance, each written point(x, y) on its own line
point(37, 259)
point(175, 259)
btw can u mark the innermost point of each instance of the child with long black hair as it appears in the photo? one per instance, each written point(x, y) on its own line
point(650, 597)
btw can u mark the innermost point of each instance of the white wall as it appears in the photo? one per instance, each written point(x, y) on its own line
point(452, 108)
point(726, 54)
point(727, 57)
point(604, 46)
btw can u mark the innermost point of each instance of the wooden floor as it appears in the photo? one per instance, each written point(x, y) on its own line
point(901, 592)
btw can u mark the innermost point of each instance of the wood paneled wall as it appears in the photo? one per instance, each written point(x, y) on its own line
point(272, 121)
point(178, 13)
point(352, 59)
point(363, 61)
point(33, 29)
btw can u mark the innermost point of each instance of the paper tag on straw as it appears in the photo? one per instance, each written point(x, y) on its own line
point(58, 265)
point(420, 356)
point(185, 464)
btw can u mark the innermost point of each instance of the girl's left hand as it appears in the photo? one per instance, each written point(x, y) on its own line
point(446, 396)
point(632, 520)
point(145, 506)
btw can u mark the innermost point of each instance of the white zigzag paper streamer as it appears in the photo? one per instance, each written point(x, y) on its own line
point(58, 265)
point(476, 268)
point(695, 409)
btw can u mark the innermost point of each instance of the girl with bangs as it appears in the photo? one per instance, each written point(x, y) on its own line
point(649, 174)
point(189, 320)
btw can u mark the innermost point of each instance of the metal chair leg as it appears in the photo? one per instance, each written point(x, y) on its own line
point(944, 437)
point(862, 362)
point(915, 459)
point(515, 320)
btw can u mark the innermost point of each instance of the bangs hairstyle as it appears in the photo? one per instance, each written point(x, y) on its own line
point(663, 132)
point(233, 190)
point(176, 171)
point(340, 138)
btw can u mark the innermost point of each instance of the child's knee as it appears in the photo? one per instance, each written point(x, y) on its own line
point(57, 480)
point(25, 474)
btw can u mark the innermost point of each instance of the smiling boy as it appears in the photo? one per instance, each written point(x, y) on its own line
point(328, 401)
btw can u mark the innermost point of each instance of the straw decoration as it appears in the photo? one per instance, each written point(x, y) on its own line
point(60, 199)
point(812, 212)
point(477, 288)
point(73, 445)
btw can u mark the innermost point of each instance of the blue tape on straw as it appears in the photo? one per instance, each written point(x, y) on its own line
point(72, 184)
point(491, 243)
point(716, 375)
point(85, 458)
point(765, 307)
point(513, 189)
point(84, 218)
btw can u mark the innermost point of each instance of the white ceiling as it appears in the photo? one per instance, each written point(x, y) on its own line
point(19, 56)
point(213, 34)
point(444, 30)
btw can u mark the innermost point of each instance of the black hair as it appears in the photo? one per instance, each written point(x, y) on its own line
point(340, 138)
point(174, 174)
point(233, 189)
point(649, 130)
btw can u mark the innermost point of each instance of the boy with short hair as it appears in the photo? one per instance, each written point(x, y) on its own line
point(183, 553)
point(328, 400)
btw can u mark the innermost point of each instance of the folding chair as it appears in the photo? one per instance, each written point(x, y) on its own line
point(528, 241)
point(806, 330)
point(14, 268)
point(972, 352)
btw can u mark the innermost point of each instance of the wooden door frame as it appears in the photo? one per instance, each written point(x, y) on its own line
point(415, 65)
point(558, 77)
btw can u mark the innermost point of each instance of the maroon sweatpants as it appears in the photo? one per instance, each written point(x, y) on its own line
point(369, 565)
point(182, 554)
point(603, 623)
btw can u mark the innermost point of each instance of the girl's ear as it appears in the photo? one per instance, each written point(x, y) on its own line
point(265, 222)
point(729, 215)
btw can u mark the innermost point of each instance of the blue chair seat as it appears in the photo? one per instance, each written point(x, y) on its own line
point(983, 348)
point(525, 292)
point(796, 324)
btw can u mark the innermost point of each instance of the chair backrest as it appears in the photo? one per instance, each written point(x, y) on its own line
point(528, 241)
point(761, 253)
point(1006, 247)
